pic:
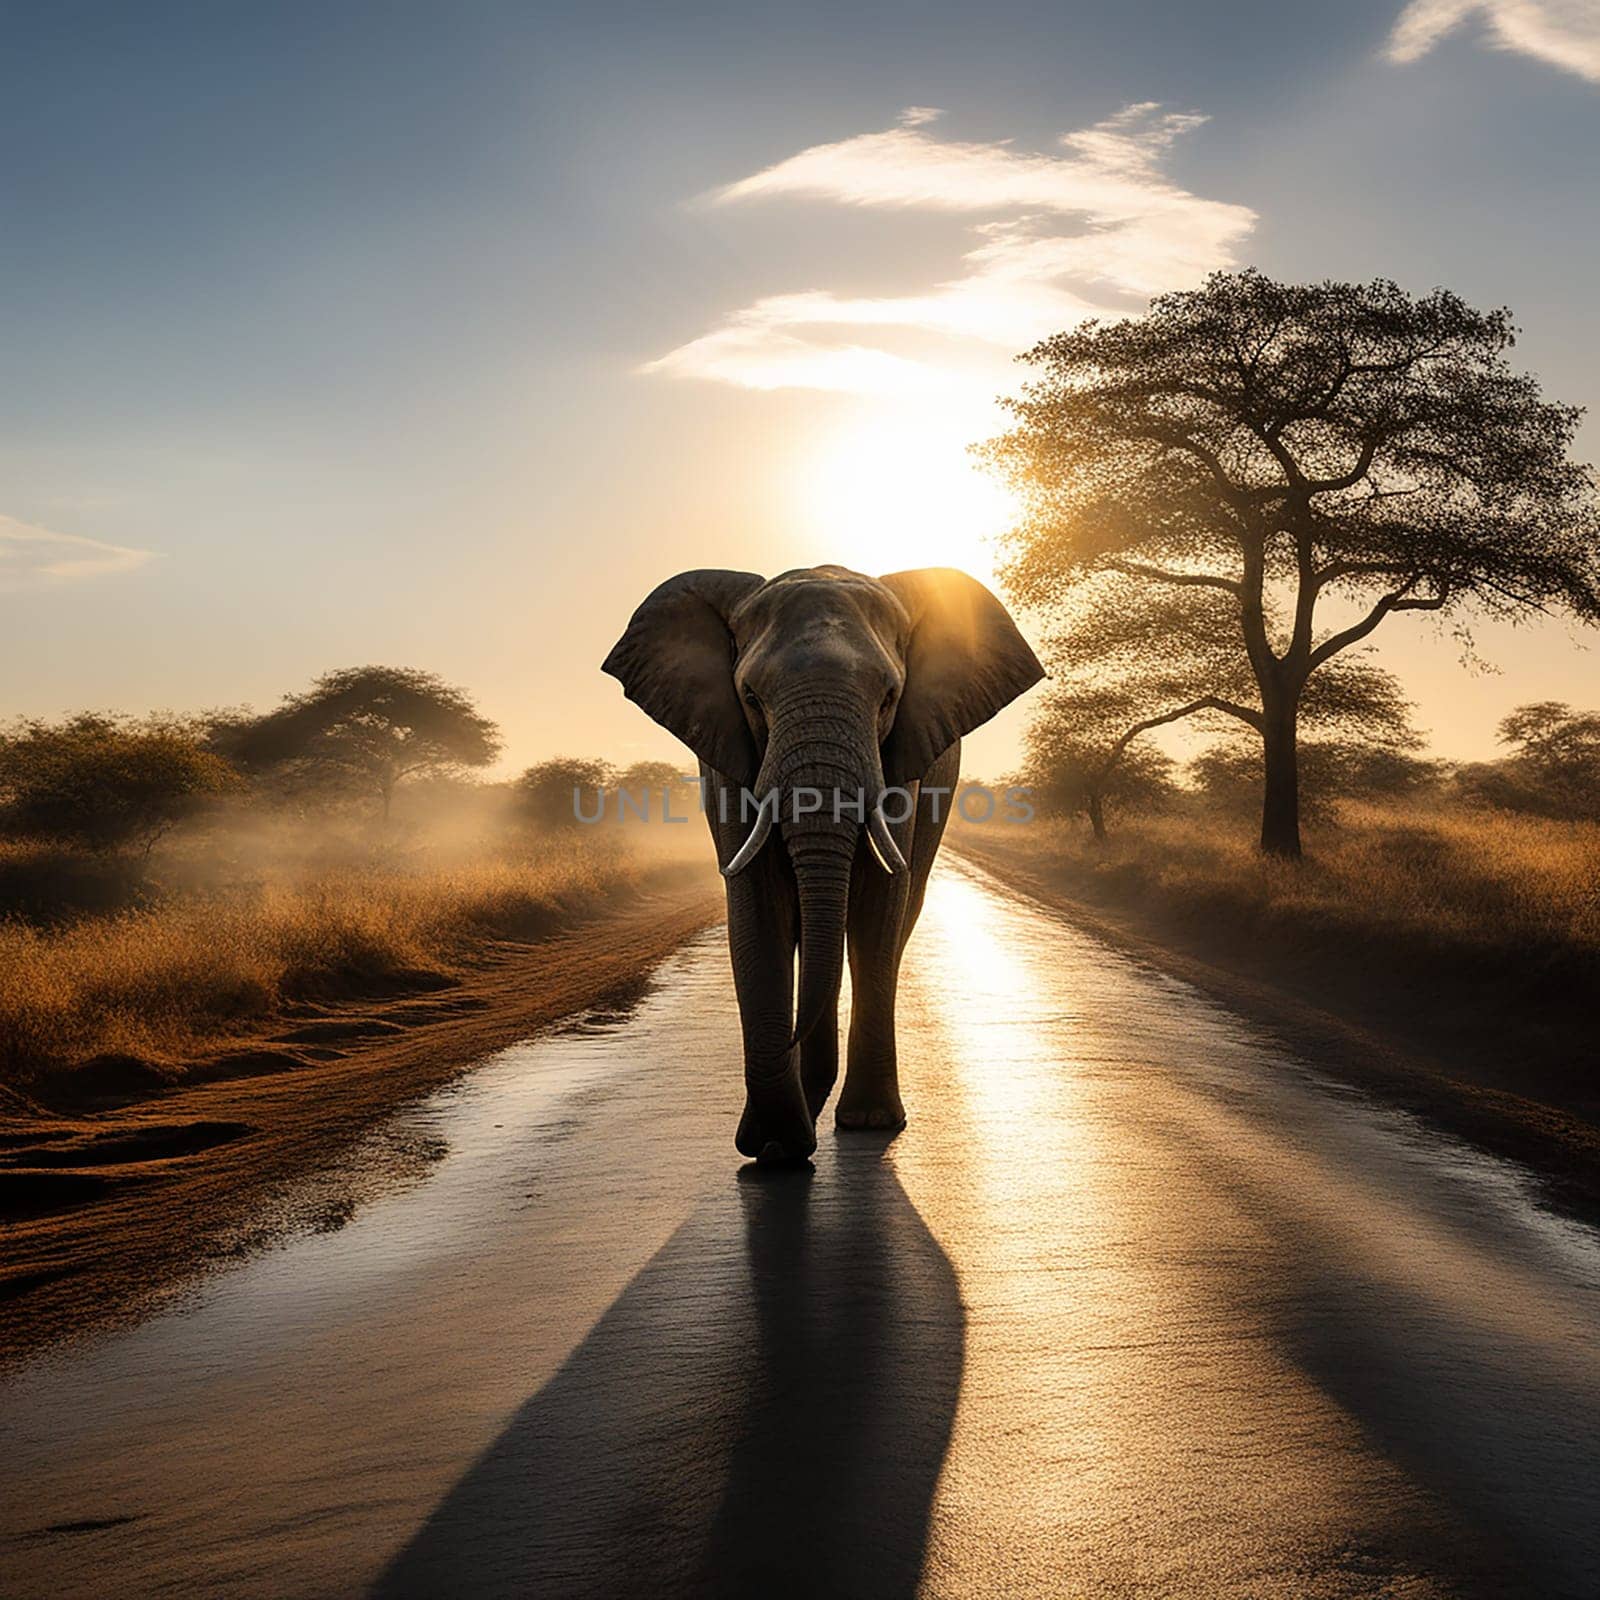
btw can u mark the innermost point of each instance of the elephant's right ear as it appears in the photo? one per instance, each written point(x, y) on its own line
point(676, 661)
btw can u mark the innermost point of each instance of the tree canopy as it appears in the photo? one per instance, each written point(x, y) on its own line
point(545, 791)
point(1076, 760)
point(1312, 458)
point(652, 787)
point(1135, 658)
point(366, 727)
point(107, 782)
point(1552, 767)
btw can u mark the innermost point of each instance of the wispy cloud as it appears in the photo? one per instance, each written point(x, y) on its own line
point(1564, 33)
point(1058, 237)
point(35, 558)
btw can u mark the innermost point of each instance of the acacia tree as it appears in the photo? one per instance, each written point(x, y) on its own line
point(1322, 448)
point(651, 786)
point(367, 726)
point(1132, 661)
point(1561, 747)
point(1083, 746)
point(1080, 754)
point(1553, 767)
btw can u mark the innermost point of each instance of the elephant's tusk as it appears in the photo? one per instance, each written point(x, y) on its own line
point(877, 854)
point(883, 842)
point(751, 848)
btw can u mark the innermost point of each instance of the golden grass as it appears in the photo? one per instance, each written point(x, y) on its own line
point(162, 983)
point(1442, 879)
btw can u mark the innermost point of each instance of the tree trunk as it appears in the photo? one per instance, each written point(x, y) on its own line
point(1280, 800)
point(1097, 817)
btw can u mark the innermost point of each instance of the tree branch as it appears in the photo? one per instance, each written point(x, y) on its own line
point(1348, 369)
point(1291, 468)
point(1305, 596)
point(1177, 439)
point(1209, 702)
point(1348, 480)
point(1400, 600)
point(1187, 580)
point(1352, 569)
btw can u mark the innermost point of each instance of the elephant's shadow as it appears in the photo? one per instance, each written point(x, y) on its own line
point(764, 1410)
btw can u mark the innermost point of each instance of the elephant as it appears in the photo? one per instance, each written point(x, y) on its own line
point(809, 698)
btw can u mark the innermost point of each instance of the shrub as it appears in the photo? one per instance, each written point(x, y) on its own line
point(106, 783)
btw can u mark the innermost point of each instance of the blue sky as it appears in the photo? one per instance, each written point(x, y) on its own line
point(438, 334)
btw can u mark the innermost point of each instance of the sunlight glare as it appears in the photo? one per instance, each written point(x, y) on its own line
point(897, 488)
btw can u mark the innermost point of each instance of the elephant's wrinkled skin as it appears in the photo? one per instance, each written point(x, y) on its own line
point(821, 680)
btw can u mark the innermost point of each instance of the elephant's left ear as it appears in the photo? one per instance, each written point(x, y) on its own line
point(676, 661)
point(964, 662)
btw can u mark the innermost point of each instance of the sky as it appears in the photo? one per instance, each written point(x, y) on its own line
point(437, 335)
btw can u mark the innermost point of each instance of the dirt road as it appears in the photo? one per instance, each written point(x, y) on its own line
point(1138, 1305)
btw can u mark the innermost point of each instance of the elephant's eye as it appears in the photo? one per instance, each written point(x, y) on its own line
point(752, 699)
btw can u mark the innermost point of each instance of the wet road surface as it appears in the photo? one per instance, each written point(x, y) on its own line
point(1138, 1305)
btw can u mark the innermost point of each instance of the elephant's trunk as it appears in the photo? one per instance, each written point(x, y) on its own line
point(823, 765)
point(822, 868)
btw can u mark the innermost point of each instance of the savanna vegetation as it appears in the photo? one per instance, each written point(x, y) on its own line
point(1427, 876)
point(1222, 504)
point(1455, 906)
point(1456, 903)
point(1224, 498)
point(171, 883)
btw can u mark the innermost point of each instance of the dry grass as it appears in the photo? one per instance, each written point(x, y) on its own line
point(159, 984)
point(1485, 877)
point(1405, 896)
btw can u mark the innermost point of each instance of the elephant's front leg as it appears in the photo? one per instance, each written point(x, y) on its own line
point(763, 932)
point(871, 1094)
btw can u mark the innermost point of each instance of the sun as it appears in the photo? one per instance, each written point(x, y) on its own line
point(890, 490)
